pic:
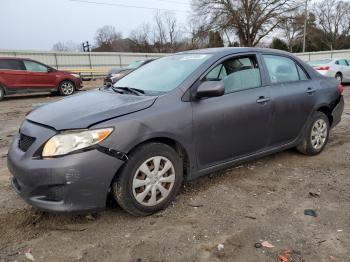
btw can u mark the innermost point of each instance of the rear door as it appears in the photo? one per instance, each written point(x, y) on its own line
point(39, 77)
point(293, 96)
point(13, 74)
point(238, 123)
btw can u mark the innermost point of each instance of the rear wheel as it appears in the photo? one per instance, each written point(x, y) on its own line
point(2, 93)
point(316, 136)
point(66, 88)
point(149, 180)
point(339, 77)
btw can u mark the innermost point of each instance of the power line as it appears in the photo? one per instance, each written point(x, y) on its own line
point(173, 2)
point(129, 6)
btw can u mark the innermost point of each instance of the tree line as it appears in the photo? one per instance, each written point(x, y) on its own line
point(215, 23)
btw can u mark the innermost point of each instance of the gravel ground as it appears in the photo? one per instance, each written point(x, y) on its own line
point(215, 218)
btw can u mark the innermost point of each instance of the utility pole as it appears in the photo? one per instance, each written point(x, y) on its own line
point(305, 25)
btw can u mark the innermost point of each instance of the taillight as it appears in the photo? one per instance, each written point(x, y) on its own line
point(340, 88)
point(323, 68)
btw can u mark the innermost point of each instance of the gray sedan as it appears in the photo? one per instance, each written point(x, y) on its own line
point(175, 119)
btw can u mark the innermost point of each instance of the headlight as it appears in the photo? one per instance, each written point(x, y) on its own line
point(70, 141)
point(75, 75)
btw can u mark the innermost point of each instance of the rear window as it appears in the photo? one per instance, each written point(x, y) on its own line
point(11, 64)
point(319, 62)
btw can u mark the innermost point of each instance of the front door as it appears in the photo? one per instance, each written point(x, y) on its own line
point(38, 76)
point(238, 123)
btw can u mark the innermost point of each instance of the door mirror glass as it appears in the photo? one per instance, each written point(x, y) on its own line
point(210, 89)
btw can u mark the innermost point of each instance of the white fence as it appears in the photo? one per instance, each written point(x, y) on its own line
point(93, 63)
point(98, 63)
point(324, 55)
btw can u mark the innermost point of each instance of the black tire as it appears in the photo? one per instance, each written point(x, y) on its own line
point(66, 88)
point(122, 186)
point(2, 93)
point(306, 146)
point(339, 77)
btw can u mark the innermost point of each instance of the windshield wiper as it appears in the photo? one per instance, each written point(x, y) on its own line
point(131, 90)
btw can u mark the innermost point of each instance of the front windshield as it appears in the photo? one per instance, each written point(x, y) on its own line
point(135, 64)
point(164, 74)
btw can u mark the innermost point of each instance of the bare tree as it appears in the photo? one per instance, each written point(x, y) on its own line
point(252, 20)
point(166, 32)
point(172, 30)
point(292, 29)
point(333, 17)
point(141, 38)
point(66, 47)
point(159, 32)
point(106, 35)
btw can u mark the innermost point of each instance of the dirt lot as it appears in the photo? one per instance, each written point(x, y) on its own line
point(235, 208)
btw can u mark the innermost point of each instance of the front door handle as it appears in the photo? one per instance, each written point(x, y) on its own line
point(263, 100)
point(310, 90)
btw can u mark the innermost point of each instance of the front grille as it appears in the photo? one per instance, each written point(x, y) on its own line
point(25, 142)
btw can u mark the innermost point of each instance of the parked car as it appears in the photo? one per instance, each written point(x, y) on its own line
point(117, 73)
point(22, 75)
point(179, 117)
point(338, 68)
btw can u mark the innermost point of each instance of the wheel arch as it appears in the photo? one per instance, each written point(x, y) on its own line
point(327, 111)
point(176, 145)
point(338, 73)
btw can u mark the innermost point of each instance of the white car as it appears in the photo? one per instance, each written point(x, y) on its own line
point(338, 68)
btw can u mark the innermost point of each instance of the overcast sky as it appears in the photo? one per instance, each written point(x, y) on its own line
point(39, 24)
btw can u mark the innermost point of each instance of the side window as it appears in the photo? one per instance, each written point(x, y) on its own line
point(281, 69)
point(302, 75)
point(34, 67)
point(11, 64)
point(217, 74)
point(237, 74)
point(342, 62)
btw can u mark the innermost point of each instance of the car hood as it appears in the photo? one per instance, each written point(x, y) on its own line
point(86, 109)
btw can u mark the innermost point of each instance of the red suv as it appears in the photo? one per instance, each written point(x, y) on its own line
point(22, 75)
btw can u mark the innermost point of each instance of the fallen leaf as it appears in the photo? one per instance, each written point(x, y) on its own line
point(267, 244)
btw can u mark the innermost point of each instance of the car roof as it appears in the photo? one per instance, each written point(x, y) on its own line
point(232, 50)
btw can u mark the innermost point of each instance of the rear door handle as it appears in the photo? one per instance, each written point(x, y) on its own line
point(263, 100)
point(310, 90)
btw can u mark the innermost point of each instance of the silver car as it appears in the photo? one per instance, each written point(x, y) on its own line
point(338, 68)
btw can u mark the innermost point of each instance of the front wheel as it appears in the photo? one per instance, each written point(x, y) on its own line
point(316, 136)
point(149, 180)
point(66, 88)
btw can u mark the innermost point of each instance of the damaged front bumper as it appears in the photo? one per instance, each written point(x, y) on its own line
point(72, 183)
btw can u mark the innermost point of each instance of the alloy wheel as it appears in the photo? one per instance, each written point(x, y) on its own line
point(67, 88)
point(153, 181)
point(319, 134)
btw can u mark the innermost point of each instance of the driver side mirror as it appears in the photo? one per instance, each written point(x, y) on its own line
point(49, 70)
point(210, 89)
